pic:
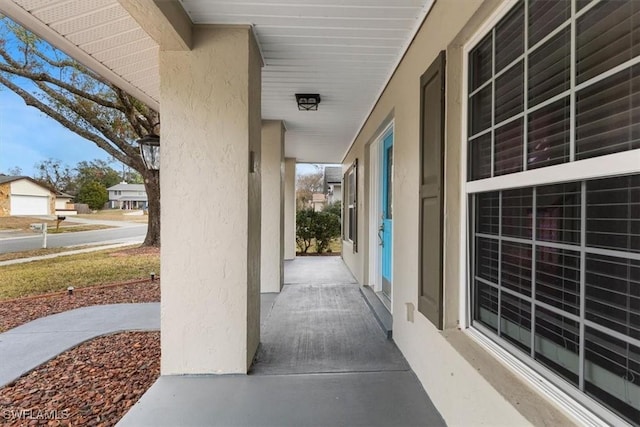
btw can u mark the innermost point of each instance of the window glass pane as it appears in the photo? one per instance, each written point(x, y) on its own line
point(480, 110)
point(582, 3)
point(480, 63)
point(487, 259)
point(510, 37)
point(550, 68)
point(608, 115)
point(558, 278)
point(515, 321)
point(613, 213)
point(613, 293)
point(352, 187)
point(488, 213)
point(515, 265)
point(549, 135)
point(558, 213)
point(352, 219)
point(545, 16)
point(508, 150)
point(480, 157)
point(516, 213)
point(607, 36)
point(612, 373)
point(557, 344)
point(486, 305)
point(510, 93)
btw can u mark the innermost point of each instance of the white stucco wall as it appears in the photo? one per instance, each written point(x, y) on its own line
point(24, 187)
point(210, 272)
point(289, 208)
point(461, 394)
point(61, 203)
point(272, 206)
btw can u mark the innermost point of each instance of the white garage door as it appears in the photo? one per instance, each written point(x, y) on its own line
point(29, 205)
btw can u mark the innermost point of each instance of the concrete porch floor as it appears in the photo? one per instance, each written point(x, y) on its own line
point(323, 361)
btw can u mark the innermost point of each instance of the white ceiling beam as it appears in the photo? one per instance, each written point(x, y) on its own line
point(164, 20)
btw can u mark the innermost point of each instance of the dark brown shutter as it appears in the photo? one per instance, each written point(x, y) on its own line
point(432, 190)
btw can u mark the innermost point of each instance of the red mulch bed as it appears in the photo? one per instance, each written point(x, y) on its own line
point(93, 384)
point(19, 311)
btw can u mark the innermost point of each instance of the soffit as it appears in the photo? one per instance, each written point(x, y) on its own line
point(101, 35)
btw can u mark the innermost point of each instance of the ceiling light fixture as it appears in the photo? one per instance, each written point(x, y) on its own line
point(308, 101)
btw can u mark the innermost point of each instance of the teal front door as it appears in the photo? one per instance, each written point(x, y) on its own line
point(386, 225)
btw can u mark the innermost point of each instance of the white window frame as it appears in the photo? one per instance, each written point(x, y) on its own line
point(623, 163)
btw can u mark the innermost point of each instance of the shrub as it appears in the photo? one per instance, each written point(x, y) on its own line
point(93, 194)
point(327, 228)
point(305, 228)
point(318, 227)
point(334, 208)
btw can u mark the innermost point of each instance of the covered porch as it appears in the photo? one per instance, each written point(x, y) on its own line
point(397, 83)
point(323, 361)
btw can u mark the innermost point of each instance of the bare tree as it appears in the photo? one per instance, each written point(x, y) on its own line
point(307, 185)
point(83, 102)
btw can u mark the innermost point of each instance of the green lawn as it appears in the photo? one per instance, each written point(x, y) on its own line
point(39, 252)
point(82, 270)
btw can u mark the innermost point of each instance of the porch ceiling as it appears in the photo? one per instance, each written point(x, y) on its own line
point(345, 50)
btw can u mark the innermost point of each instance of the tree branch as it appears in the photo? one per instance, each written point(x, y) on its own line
point(30, 100)
point(43, 77)
point(91, 119)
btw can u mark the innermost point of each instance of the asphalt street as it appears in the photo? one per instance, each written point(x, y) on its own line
point(133, 234)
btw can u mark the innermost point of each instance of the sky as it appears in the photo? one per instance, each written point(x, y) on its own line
point(28, 136)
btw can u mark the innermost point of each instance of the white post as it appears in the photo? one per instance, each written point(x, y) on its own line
point(44, 235)
point(210, 254)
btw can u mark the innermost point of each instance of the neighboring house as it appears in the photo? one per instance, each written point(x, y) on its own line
point(318, 201)
point(127, 196)
point(333, 183)
point(63, 200)
point(21, 195)
point(64, 205)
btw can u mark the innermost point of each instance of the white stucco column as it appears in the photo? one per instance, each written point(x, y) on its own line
point(272, 156)
point(210, 190)
point(289, 208)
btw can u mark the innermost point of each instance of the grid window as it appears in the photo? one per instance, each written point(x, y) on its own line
point(574, 80)
point(540, 289)
point(555, 86)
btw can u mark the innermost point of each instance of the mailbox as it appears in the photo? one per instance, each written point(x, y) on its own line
point(61, 218)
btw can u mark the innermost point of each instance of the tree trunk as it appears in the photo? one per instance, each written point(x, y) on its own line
point(152, 185)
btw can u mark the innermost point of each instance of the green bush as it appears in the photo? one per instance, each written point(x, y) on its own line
point(334, 208)
point(318, 227)
point(327, 228)
point(305, 228)
point(93, 194)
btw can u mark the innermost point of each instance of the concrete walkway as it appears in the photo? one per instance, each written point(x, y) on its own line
point(32, 344)
point(324, 361)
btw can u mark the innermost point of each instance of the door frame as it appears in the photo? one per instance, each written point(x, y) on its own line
point(375, 209)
